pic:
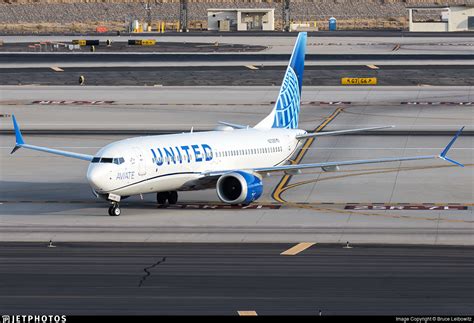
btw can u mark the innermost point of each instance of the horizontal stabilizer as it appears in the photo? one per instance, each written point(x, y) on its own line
point(339, 132)
point(233, 125)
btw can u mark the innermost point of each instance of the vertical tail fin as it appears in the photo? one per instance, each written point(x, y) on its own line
point(287, 107)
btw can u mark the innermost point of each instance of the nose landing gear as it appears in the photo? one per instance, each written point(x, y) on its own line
point(114, 209)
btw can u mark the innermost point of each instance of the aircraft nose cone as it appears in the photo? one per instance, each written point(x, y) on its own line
point(95, 177)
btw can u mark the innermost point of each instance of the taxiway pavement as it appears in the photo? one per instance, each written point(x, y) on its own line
point(47, 197)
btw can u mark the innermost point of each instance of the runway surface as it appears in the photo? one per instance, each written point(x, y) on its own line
point(47, 197)
point(244, 75)
point(186, 279)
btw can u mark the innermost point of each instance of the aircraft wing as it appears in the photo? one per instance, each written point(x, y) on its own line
point(294, 169)
point(20, 143)
point(337, 163)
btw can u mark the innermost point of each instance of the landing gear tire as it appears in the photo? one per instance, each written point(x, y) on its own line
point(114, 210)
point(161, 197)
point(173, 197)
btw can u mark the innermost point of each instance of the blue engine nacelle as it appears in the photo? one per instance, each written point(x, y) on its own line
point(239, 187)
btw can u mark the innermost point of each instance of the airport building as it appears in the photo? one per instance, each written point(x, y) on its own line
point(441, 18)
point(241, 19)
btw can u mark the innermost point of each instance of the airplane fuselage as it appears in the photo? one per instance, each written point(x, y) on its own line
point(175, 162)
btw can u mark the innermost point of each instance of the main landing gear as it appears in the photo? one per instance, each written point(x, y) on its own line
point(114, 209)
point(171, 197)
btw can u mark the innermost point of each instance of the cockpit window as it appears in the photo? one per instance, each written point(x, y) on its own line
point(106, 160)
point(119, 160)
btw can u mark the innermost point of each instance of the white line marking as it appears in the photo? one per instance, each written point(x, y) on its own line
point(57, 69)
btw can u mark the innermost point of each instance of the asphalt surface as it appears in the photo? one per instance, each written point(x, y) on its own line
point(46, 196)
point(450, 75)
point(87, 57)
point(98, 278)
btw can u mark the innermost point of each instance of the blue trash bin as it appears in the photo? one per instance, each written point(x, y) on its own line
point(332, 24)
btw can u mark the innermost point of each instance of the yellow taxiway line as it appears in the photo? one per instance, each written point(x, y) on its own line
point(286, 178)
point(297, 248)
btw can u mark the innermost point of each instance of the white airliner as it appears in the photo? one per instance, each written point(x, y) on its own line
point(233, 159)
